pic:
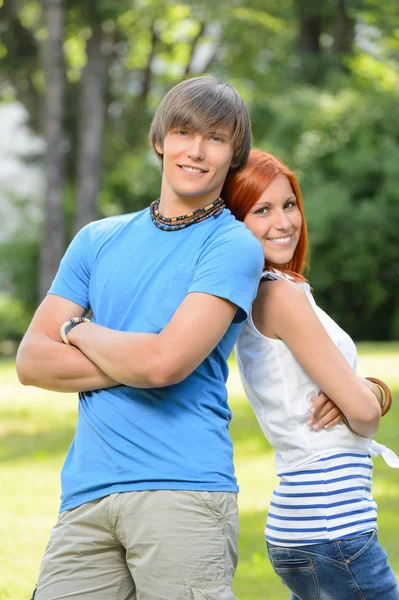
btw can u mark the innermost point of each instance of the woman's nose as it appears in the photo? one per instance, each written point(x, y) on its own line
point(281, 221)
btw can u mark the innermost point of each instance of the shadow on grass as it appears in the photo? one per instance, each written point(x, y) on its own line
point(38, 445)
point(386, 487)
point(255, 578)
point(245, 431)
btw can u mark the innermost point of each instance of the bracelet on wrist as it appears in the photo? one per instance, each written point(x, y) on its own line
point(386, 394)
point(68, 325)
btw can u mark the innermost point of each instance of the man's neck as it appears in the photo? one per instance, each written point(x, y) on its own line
point(175, 205)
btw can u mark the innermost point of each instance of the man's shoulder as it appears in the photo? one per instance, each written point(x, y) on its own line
point(109, 224)
point(235, 232)
point(107, 228)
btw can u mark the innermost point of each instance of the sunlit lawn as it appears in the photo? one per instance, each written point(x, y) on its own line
point(36, 428)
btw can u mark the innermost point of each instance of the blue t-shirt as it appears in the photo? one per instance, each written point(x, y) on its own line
point(134, 276)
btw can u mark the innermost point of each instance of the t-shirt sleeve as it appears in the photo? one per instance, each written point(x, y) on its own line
point(73, 276)
point(230, 267)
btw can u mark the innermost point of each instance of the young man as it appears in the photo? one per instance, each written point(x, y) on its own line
point(148, 505)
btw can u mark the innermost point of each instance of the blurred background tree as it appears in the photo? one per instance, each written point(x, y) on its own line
point(321, 79)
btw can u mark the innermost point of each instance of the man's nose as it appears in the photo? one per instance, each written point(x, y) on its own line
point(195, 149)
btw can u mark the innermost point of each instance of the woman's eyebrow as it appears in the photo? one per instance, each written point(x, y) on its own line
point(264, 203)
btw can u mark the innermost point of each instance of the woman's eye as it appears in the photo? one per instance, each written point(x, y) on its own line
point(262, 211)
point(290, 205)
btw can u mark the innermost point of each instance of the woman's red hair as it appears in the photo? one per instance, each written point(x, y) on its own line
point(243, 189)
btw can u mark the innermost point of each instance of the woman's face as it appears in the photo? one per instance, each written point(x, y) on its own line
point(276, 221)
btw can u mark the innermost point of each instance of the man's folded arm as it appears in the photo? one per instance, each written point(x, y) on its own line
point(158, 359)
point(43, 361)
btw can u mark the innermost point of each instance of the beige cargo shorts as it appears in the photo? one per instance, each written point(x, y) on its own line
point(150, 545)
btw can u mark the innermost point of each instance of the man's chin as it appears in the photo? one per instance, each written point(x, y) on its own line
point(198, 192)
point(189, 193)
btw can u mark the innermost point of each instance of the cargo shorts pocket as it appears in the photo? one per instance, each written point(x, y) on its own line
point(211, 590)
point(221, 506)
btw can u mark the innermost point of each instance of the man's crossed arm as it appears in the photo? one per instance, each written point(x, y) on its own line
point(99, 357)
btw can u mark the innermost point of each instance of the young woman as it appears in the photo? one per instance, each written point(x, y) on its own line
point(321, 528)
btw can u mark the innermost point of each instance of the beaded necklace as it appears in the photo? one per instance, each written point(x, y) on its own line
point(174, 223)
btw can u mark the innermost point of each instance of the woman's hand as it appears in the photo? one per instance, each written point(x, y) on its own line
point(373, 388)
point(325, 414)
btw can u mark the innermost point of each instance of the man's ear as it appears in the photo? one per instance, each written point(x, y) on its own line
point(234, 162)
point(158, 148)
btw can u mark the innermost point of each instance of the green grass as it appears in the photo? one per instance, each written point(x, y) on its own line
point(36, 428)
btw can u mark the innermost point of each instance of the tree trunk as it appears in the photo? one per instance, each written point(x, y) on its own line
point(309, 51)
point(53, 242)
point(194, 45)
point(309, 27)
point(145, 90)
point(344, 30)
point(91, 125)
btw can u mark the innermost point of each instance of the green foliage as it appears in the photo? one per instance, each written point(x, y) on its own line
point(345, 147)
point(132, 185)
point(14, 319)
point(19, 260)
point(341, 135)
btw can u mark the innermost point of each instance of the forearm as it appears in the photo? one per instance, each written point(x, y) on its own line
point(152, 360)
point(368, 427)
point(131, 358)
point(45, 363)
point(362, 428)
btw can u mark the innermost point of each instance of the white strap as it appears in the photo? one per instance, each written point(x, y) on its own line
point(388, 455)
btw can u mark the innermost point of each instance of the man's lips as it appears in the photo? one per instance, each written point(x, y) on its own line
point(191, 169)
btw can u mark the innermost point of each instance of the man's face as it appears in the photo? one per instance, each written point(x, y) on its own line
point(196, 164)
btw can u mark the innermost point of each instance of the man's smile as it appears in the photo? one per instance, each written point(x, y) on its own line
point(190, 169)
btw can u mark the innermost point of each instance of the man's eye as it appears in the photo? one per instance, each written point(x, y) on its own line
point(182, 133)
point(217, 139)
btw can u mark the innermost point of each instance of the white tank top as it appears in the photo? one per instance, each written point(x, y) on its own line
point(325, 487)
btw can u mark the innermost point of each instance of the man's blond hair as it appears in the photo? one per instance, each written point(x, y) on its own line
point(204, 104)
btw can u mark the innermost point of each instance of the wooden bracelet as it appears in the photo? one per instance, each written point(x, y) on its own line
point(386, 392)
point(65, 327)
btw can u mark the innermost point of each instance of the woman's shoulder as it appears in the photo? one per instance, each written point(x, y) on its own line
point(277, 299)
point(275, 287)
point(275, 275)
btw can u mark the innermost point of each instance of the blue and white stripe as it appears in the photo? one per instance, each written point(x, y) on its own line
point(325, 500)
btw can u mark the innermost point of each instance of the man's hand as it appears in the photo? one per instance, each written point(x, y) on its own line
point(45, 362)
point(325, 414)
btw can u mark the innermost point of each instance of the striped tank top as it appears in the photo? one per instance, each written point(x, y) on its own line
point(324, 492)
point(322, 501)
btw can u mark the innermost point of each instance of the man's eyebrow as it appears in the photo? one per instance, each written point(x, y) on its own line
point(220, 132)
point(212, 131)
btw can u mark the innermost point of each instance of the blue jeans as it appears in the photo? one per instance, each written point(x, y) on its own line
point(349, 569)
